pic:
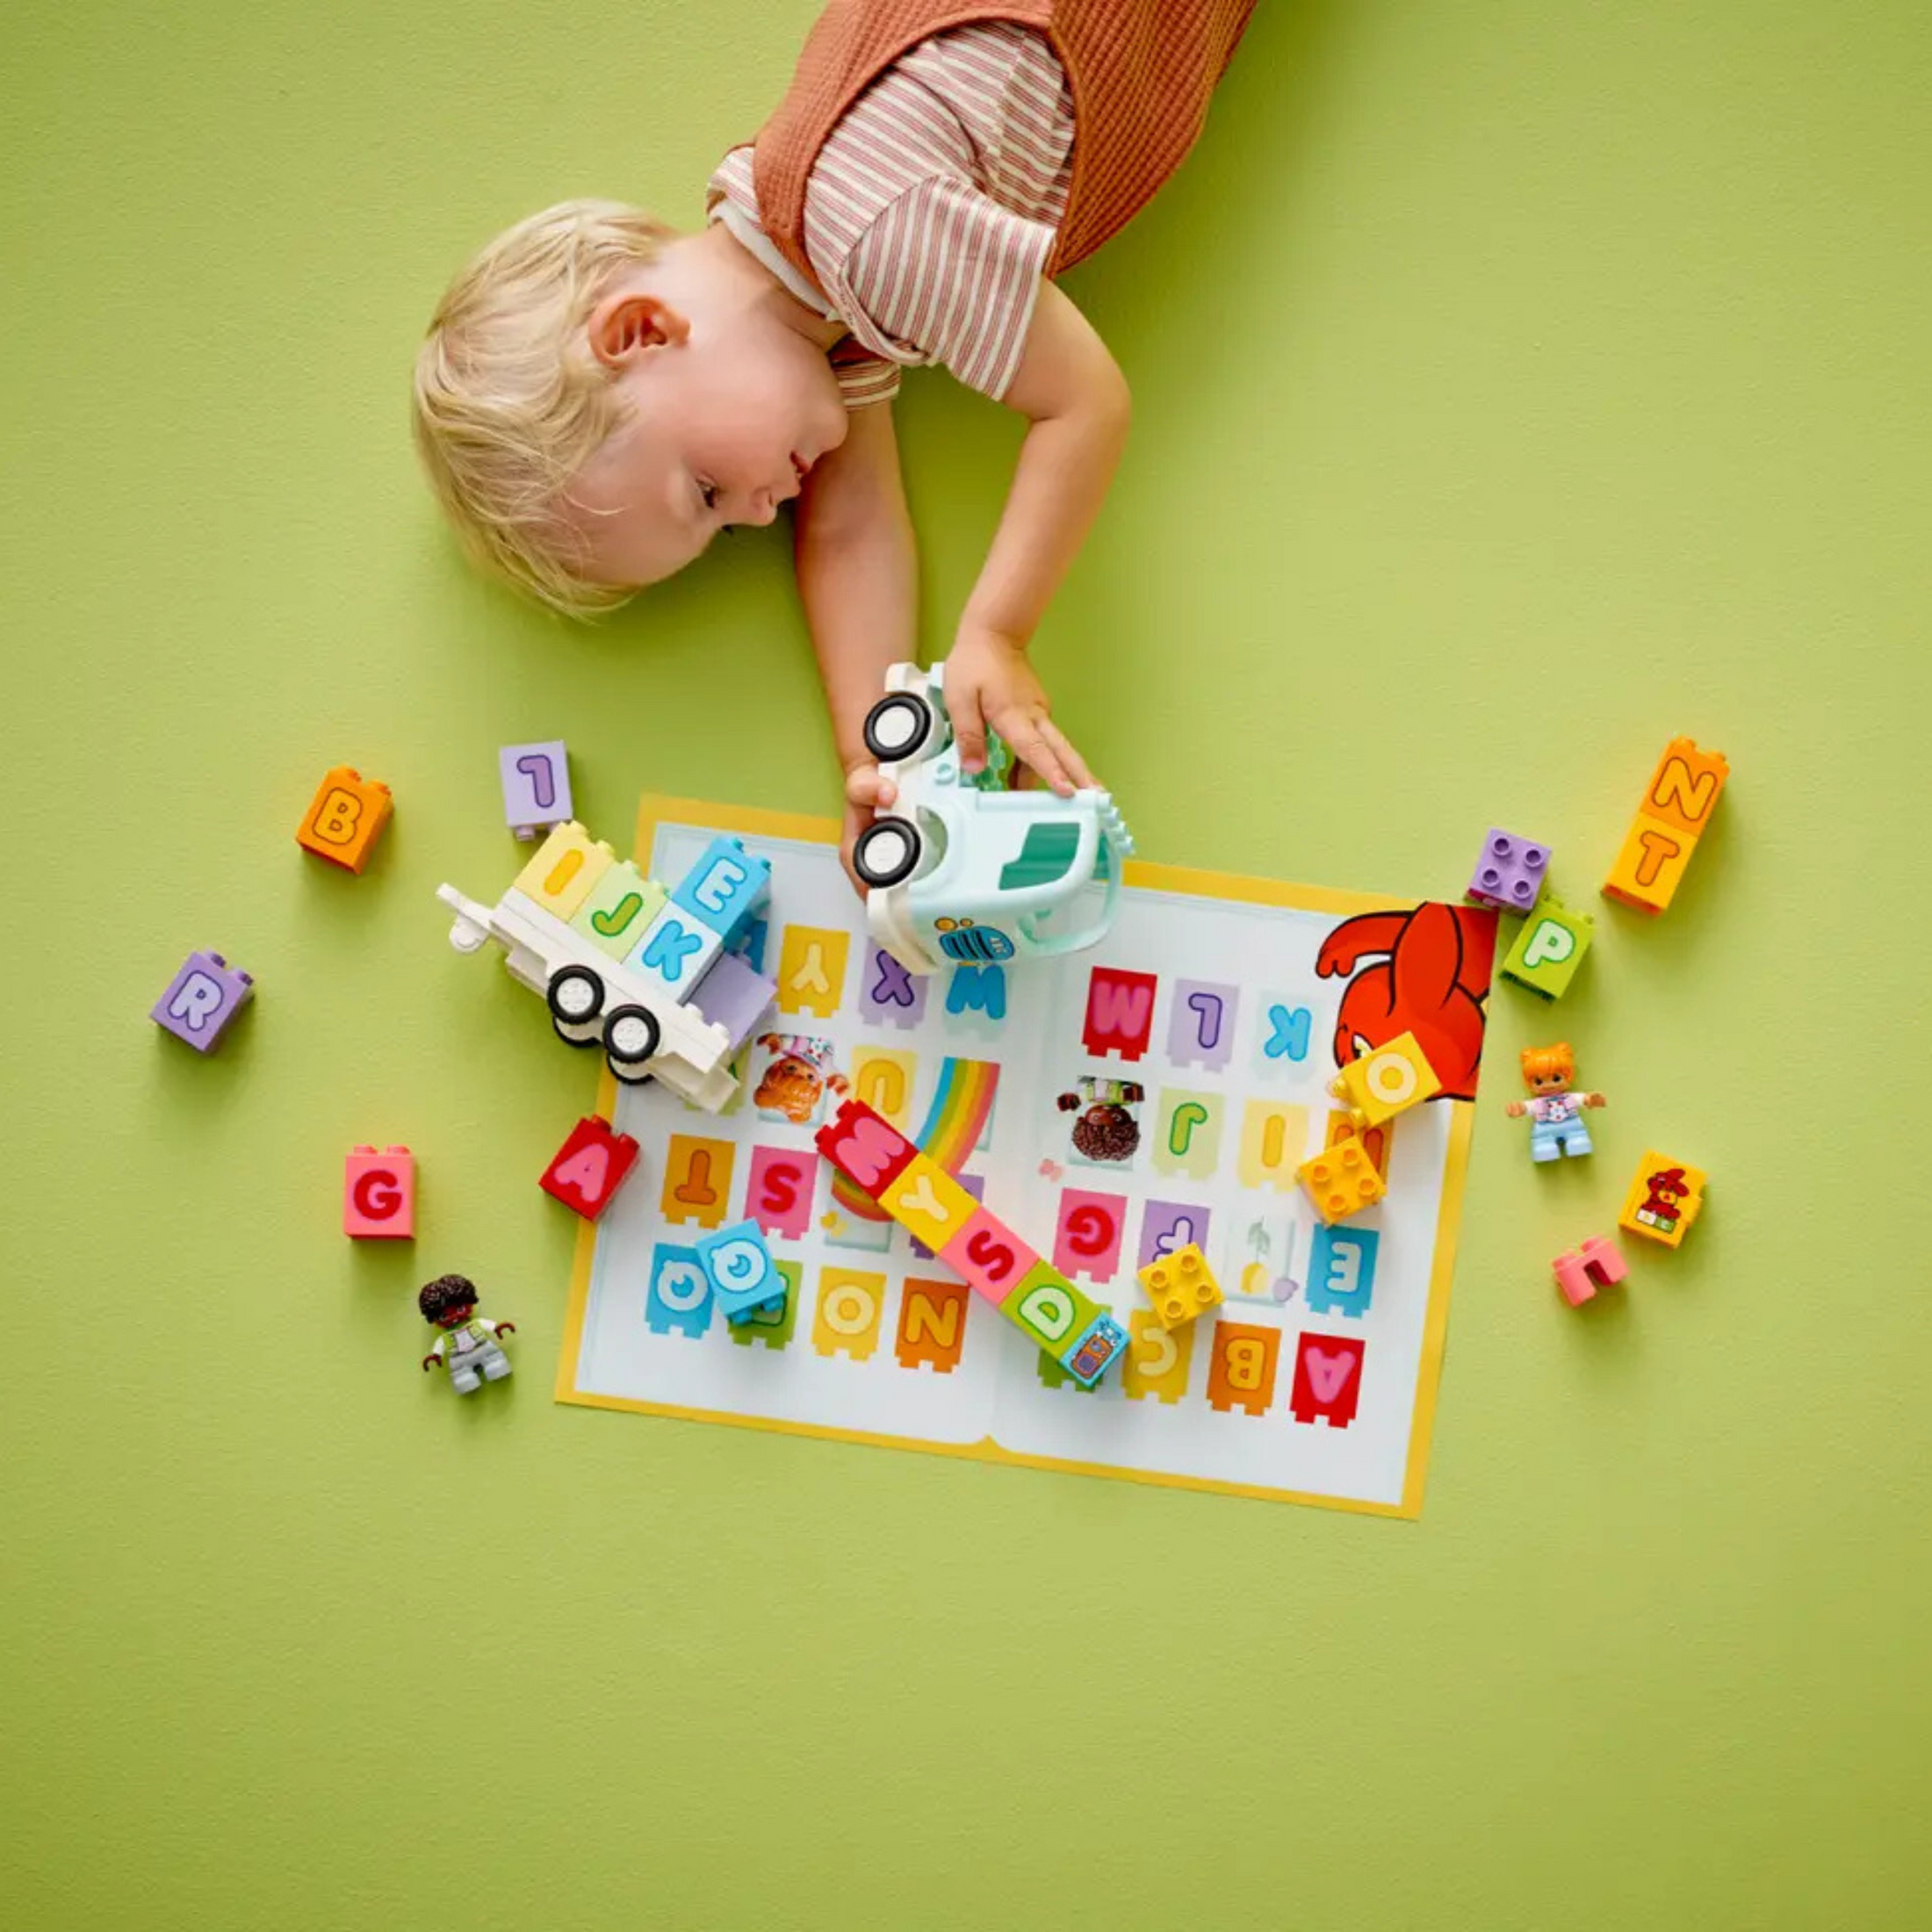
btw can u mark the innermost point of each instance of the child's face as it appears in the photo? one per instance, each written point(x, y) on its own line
point(728, 409)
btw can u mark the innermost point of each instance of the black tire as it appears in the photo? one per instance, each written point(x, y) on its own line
point(888, 851)
point(898, 727)
point(631, 1037)
point(575, 997)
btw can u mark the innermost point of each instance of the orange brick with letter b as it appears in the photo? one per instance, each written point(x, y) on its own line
point(345, 817)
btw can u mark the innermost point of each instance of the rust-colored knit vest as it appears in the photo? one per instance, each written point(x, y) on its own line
point(1142, 73)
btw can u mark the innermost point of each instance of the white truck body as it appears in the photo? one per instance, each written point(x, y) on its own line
point(693, 1055)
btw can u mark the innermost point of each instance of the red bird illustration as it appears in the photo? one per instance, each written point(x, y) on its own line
point(1430, 978)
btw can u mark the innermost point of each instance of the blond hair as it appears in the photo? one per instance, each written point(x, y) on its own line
point(510, 403)
point(1539, 1062)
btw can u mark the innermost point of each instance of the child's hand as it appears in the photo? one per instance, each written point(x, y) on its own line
point(867, 791)
point(989, 681)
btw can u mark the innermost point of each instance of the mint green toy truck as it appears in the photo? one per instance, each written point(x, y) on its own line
point(963, 871)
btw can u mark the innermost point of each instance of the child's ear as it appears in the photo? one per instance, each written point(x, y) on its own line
point(626, 324)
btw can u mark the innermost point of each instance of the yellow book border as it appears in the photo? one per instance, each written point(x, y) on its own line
point(754, 822)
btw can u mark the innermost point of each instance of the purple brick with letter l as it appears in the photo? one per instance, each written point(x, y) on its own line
point(535, 786)
point(201, 999)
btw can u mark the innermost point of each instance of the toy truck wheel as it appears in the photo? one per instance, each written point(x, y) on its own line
point(887, 853)
point(898, 727)
point(576, 997)
point(630, 1040)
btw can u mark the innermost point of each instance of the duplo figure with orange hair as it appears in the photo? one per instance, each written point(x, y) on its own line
point(1557, 1127)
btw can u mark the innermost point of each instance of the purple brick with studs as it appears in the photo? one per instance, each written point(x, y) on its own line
point(1509, 875)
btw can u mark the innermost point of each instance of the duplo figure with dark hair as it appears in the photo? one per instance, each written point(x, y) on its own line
point(467, 1342)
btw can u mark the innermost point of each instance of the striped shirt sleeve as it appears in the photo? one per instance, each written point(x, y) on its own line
point(952, 277)
point(933, 209)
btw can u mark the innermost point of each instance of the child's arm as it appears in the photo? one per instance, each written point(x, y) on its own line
point(1073, 390)
point(857, 576)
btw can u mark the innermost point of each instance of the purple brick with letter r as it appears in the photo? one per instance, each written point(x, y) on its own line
point(201, 999)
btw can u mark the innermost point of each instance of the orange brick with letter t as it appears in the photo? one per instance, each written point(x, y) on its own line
point(344, 819)
point(1649, 863)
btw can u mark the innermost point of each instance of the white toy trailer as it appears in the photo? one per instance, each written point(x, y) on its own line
point(622, 963)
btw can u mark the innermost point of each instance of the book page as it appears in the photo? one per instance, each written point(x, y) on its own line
point(1110, 1105)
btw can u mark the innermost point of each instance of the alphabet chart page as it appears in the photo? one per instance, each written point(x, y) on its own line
point(1110, 1106)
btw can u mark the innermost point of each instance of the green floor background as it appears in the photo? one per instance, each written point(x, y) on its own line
point(1517, 386)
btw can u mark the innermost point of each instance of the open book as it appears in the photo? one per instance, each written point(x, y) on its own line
point(1108, 1108)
